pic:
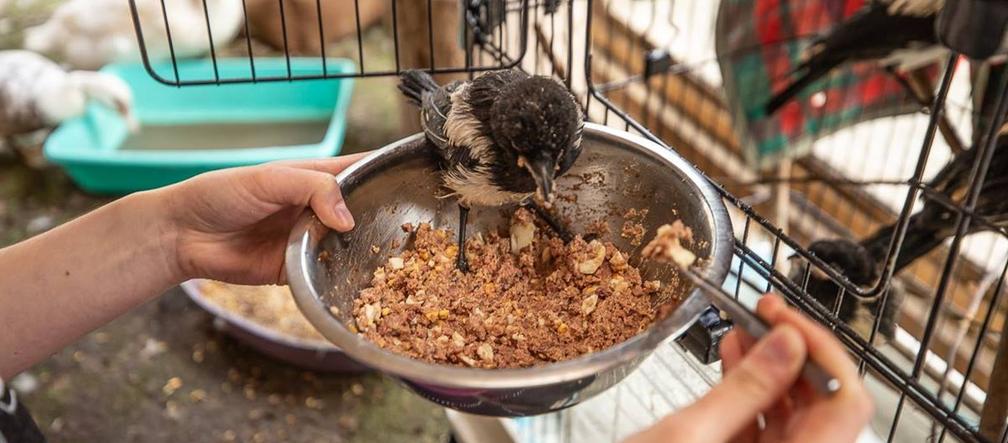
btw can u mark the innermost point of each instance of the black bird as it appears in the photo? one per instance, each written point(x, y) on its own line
point(502, 137)
point(927, 229)
point(861, 268)
point(934, 223)
point(898, 34)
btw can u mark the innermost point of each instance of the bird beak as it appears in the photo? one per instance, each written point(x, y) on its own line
point(542, 171)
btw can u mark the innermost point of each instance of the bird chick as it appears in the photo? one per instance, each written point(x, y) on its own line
point(88, 34)
point(37, 94)
point(897, 34)
point(862, 269)
point(502, 137)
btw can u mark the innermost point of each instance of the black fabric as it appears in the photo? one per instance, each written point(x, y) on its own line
point(16, 424)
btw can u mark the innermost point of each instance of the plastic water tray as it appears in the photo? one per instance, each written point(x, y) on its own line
point(190, 130)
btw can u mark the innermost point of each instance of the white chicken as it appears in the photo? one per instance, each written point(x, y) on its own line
point(88, 34)
point(37, 94)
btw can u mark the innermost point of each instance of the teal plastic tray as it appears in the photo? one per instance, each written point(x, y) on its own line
point(90, 148)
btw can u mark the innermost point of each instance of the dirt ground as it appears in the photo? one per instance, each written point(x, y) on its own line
point(163, 373)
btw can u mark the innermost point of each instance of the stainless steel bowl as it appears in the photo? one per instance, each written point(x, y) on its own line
point(400, 184)
point(307, 354)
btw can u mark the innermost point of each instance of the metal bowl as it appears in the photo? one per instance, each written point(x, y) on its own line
point(400, 184)
point(307, 354)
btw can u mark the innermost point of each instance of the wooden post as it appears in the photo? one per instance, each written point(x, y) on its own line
point(301, 36)
point(416, 43)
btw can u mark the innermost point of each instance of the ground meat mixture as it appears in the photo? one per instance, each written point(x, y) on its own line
point(667, 245)
point(633, 226)
point(269, 306)
point(527, 300)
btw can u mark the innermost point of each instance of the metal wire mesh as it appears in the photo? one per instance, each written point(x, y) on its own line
point(652, 67)
point(419, 34)
point(853, 182)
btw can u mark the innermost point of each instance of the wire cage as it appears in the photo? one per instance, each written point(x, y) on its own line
point(670, 70)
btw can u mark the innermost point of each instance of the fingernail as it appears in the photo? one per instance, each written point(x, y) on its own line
point(345, 218)
point(778, 347)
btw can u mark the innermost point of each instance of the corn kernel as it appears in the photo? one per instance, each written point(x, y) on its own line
point(589, 303)
point(395, 263)
point(590, 265)
point(485, 352)
point(468, 361)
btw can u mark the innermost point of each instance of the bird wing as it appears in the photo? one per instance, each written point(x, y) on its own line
point(22, 75)
point(952, 179)
point(991, 202)
point(871, 34)
point(434, 111)
point(875, 33)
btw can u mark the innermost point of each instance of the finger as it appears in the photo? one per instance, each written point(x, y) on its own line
point(750, 434)
point(332, 165)
point(838, 419)
point(738, 343)
point(733, 348)
point(843, 414)
point(731, 351)
point(759, 380)
point(288, 186)
point(832, 423)
point(777, 419)
point(746, 341)
point(823, 346)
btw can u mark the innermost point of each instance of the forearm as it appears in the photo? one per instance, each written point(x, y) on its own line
point(60, 285)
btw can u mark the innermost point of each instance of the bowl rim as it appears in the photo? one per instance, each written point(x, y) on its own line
point(364, 351)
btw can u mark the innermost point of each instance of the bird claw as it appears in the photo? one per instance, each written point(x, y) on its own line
point(558, 227)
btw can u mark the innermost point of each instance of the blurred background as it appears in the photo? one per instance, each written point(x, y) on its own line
point(884, 134)
point(165, 372)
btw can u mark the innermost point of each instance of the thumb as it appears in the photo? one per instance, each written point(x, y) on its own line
point(752, 386)
point(304, 187)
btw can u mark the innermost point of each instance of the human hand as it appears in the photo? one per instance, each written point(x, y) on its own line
point(763, 378)
point(233, 224)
